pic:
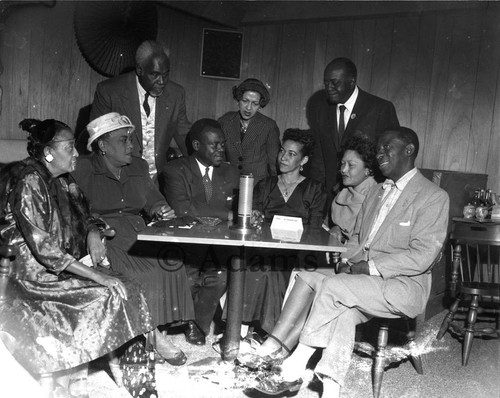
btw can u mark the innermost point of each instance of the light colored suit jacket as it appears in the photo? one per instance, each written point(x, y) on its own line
point(406, 243)
point(119, 94)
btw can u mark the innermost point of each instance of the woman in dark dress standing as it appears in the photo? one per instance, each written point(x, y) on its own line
point(289, 194)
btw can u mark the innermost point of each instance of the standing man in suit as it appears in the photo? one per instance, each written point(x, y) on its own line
point(252, 139)
point(386, 272)
point(339, 111)
point(203, 185)
point(154, 104)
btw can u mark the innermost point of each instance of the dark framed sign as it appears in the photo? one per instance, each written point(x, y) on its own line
point(221, 54)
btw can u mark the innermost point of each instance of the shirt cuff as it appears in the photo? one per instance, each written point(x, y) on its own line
point(373, 269)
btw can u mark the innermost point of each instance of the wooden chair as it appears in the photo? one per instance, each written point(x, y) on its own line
point(474, 284)
point(383, 356)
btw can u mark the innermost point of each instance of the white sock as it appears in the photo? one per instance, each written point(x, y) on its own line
point(244, 330)
point(294, 366)
point(331, 389)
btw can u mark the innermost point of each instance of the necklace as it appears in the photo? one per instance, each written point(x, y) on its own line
point(118, 173)
point(288, 186)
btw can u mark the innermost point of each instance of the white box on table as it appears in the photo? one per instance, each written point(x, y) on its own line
point(287, 228)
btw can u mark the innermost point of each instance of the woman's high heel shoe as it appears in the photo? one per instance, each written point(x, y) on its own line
point(255, 361)
point(177, 360)
point(277, 386)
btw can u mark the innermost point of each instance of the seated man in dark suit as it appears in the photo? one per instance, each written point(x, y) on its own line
point(401, 229)
point(202, 185)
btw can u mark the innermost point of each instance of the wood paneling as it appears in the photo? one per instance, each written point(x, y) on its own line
point(441, 71)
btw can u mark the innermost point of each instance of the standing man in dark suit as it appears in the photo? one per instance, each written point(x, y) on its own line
point(155, 105)
point(361, 113)
point(253, 140)
point(202, 185)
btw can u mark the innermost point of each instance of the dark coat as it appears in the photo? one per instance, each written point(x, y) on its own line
point(371, 116)
point(259, 149)
point(182, 184)
point(119, 94)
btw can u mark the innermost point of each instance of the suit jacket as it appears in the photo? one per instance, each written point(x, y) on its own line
point(371, 115)
point(182, 184)
point(406, 243)
point(258, 151)
point(119, 94)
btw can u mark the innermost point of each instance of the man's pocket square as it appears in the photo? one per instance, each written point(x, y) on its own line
point(405, 223)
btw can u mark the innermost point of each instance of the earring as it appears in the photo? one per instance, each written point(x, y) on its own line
point(301, 168)
point(103, 153)
point(49, 158)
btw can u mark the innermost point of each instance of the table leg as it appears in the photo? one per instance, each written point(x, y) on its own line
point(232, 335)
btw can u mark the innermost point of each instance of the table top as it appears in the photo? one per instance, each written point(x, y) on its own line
point(487, 221)
point(224, 234)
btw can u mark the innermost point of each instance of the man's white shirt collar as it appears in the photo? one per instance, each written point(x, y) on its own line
point(203, 168)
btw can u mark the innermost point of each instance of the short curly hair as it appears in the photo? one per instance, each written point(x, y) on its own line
point(366, 148)
point(303, 137)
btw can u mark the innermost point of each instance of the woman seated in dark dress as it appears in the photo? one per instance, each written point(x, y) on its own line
point(357, 168)
point(119, 188)
point(59, 312)
point(289, 194)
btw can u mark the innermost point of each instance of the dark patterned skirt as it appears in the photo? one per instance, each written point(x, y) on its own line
point(163, 279)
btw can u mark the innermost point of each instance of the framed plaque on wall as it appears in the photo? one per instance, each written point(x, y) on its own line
point(221, 54)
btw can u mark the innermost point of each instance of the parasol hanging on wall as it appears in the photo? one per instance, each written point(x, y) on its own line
point(109, 32)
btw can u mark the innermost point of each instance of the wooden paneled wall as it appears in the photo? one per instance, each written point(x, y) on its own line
point(441, 71)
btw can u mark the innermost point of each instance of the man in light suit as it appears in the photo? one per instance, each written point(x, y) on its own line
point(155, 105)
point(363, 113)
point(203, 185)
point(385, 273)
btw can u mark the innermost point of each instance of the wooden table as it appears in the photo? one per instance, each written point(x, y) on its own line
point(224, 234)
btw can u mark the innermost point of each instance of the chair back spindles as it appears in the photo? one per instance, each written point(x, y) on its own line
point(474, 285)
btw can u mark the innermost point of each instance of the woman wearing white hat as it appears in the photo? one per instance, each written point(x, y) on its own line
point(120, 189)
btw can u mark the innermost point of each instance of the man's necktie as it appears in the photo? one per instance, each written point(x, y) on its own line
point(207, 184)
point(145, 105)
point(381, 211)
point(341, 130)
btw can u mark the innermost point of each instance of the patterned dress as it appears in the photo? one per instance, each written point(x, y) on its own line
point(54, 319)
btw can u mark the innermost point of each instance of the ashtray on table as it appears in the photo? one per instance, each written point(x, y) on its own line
point(210, 221)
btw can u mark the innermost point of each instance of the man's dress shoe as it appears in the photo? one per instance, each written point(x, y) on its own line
point(194, 335)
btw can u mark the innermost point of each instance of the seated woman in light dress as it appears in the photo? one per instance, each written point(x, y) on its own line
point(60, 313)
